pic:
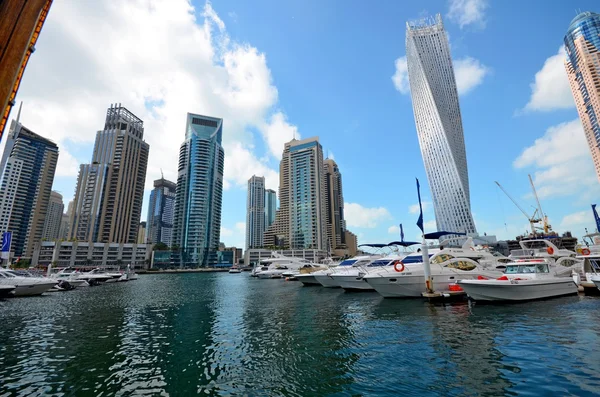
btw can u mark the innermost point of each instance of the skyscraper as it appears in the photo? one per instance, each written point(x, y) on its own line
point(334, 205)
point(439, 124)
point(161, 211)
point(53, 217)
point(255, 212)
point(108, 197)
point(26, 176)
point(21, 22)
point(300, 221)
point(582, 42)
point(197, 222)
point(270, 207)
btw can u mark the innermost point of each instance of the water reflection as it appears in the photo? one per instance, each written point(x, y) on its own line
point(221, 334)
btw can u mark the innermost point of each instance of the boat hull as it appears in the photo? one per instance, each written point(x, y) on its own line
point(353, 283)
point(308, 279)
point(33, 289)
point(517, 290)
point(7, 291)
point(327, 281)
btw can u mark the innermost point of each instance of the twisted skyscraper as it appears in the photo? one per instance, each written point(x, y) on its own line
point(439, 123)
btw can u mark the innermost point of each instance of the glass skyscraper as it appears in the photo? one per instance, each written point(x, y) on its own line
point(197, 222)
point(439, 123)
point(270, 207)
point(159, 225)
point(255, 212)
point(582, 42)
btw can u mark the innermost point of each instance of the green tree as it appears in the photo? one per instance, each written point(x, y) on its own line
point(160, 246)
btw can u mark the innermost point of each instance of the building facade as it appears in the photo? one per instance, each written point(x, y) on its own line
point(300, 221)
point(52, 224)
point(334, 206)
point(91, 255)
point(20, 25)
point(439, 123)
point(270, 207)
point(255, 212)
point(161, 212)
point(197, 220)
point(109, 192)
point(142, 233)
point(26, 175)
point(582, 43)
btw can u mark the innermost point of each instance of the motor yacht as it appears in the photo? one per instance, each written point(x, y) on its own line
point(406, 278)
point(25, 284)
point(325, 277)
point(353, 278)
point(234, 270)
point(95, 276)
point(277, 266)
point(69, 275)
point(523, 280)
point(589, 253)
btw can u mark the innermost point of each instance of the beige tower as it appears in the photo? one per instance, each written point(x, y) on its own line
point(582, 42)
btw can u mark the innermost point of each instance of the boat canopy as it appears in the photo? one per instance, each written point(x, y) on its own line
point(437, 235)
point(402, 243)
point(374, 245)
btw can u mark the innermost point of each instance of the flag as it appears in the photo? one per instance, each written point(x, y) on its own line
point(401, 233)
point(596, 217)
point(420, 220)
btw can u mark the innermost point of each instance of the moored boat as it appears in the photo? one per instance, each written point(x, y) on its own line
point(25, 284)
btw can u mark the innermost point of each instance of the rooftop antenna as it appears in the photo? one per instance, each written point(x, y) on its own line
point(162, 176)
point(19, 113)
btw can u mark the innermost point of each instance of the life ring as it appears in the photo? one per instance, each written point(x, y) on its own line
point(585, 251)
point(550, 250)
point(396, 266)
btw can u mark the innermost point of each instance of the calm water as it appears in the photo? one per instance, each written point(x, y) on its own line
point(230, 334)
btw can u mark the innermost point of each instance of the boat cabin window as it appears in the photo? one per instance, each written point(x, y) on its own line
point(531, 268)
point(414, 259)
point(440, 258)
point(378, 263)
point(542, 268)
point(362, 263)
point(461, 265)
point(349, 262)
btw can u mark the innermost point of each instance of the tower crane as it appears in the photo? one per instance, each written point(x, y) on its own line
point(545, 224)
point(532, 219)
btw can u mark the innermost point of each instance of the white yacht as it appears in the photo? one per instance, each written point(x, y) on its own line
point(70, 276)
point(25, 284)
point(307, 276)
point(353, 278)
point(325, 277)
point(589, 253)
point(406, 278)
point(523, 280)
point(234, 270)
point(277, 266)
point(95, 276)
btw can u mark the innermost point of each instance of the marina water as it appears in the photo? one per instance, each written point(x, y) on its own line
point(220, 334)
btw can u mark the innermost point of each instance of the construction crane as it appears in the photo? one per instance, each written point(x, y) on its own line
point(532, 219)
point(545, 224)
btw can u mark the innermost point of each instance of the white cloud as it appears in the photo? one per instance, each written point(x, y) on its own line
point(394, 230)
point(359, 216)
point(414, 209)
point(67, 164)
point(551, 89)
point(580, 218)
point(225, 232)
point(240, 227)
point(430, 226)
point(469, 73)
point(160, 59)
point(561, 160)
point(400, 77)
point(468, 12)
point(277, 132)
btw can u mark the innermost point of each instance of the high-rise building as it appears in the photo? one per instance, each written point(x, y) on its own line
point(142, 236)
point(334, 206)
point(26, 176)
point(21, 22)
point(161, 212)
point(63, 233)
point(300, 221)
point(108, 197)
point(53, 217)
point(197, 221)
point(439, 124)
point(582, 42)
point(255, 212)
point(270, 207)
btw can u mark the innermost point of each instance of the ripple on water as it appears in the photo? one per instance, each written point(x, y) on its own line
point(221, 334)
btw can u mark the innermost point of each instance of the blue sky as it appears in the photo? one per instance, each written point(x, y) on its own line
point(272, 69)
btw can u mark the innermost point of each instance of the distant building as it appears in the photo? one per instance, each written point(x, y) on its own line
point(582, 43)
point(26, 176)
point(161, 211)
point(197, 221)
point(52, 224)
point(351, 243)
point(142, 235)
point(334, 205)
point(255, 212)
point(236, 254)
point(300, 221)
point(84, 254)
point(270, 207)
point(63, 233)
point(439, 124)
point(109, 193)
point(20, 25)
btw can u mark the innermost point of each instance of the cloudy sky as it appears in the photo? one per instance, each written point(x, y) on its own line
point(336, 70)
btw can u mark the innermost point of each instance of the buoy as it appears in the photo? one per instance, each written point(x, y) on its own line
point(401, 269)
point(585, 251)
point(550, 250)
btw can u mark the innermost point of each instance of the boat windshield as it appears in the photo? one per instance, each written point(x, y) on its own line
point(414, 259)
point(379, 263)
point(530, 268)
point(348, 262)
